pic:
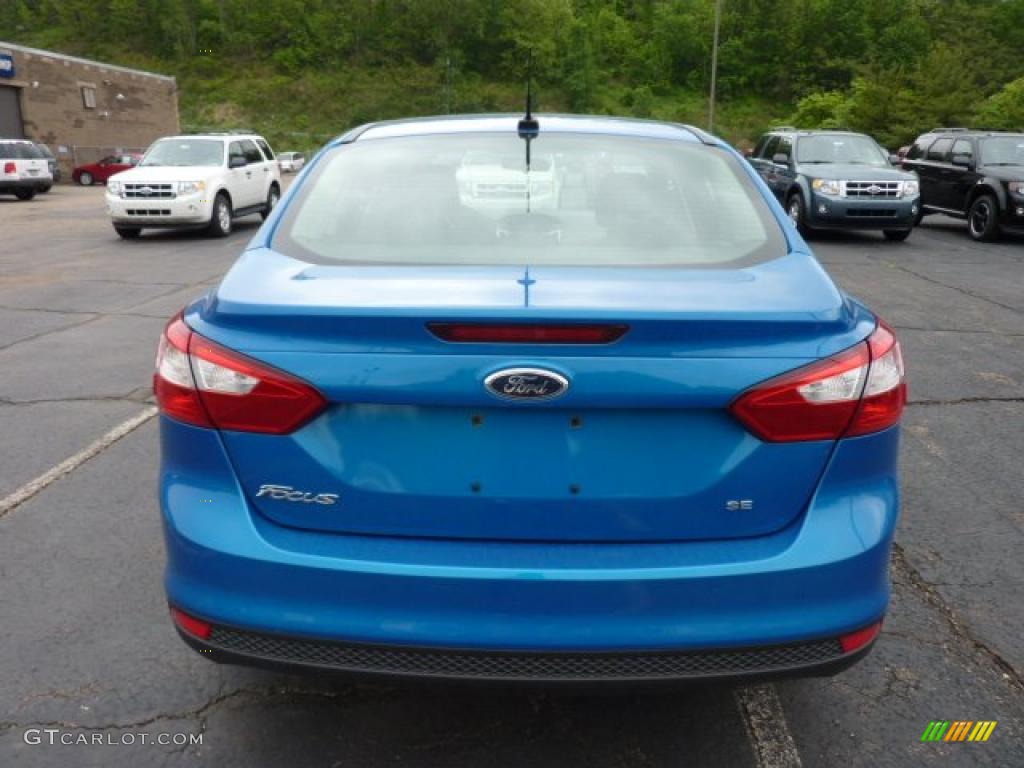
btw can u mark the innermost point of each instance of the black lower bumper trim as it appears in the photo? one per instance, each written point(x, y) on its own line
point(819, 657)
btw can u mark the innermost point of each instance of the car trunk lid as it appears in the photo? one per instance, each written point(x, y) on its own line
point(640, 446)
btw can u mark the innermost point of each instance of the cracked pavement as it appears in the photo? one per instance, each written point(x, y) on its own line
point(88, 647)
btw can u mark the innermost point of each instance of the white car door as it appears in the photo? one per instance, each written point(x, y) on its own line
point(236, 175)
point(271, 170)
point(256, 172)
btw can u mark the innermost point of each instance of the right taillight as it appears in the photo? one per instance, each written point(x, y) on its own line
point(202, 383)
point(861, 390)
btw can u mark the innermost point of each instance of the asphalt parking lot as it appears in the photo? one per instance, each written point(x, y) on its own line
point(88, 648)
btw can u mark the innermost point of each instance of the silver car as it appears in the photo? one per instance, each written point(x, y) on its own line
point(290, 162)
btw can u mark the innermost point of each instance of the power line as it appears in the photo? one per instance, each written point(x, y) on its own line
point(714, 67)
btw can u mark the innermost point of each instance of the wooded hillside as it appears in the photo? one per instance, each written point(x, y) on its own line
point(302, 70)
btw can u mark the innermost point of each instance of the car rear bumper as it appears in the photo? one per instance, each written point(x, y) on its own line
point(288, 653)
point(190, 210)
point(819, 578)
point(825, 212)
point(37, 183)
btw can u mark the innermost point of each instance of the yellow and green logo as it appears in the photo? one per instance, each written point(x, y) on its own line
point(958, 730)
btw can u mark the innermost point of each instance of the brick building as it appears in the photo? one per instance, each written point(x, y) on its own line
point(83, 110)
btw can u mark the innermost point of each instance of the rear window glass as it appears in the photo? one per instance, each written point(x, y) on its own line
point(584, 200)
point(17, 150)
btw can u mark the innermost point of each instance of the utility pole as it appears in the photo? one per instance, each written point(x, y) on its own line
point(714, 67)
point(448, 85)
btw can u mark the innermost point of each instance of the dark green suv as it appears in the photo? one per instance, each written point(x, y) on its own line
point(837, 180)
point(972, 175)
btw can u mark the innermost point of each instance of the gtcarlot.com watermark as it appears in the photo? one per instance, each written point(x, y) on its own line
point(70, 738)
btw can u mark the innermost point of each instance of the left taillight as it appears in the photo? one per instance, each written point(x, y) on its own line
point(857, 392)
point(191, 625)
point(202, 383)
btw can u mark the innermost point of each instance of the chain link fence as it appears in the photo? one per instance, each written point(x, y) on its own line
point(85, 155)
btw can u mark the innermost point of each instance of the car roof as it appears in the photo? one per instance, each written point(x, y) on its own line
point(224, 136)
point(15, 141)
point(962, 133)
point(815, 132)
point(549, 123)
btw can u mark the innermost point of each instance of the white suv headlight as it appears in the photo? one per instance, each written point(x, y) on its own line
point(911, 188)
point(191, 187)
point(114, 187)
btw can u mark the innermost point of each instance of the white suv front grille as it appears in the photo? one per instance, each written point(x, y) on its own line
point(143, 191)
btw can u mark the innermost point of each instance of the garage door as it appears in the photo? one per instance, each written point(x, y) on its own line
point(10, 114)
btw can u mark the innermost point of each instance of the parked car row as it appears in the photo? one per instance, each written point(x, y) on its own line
point(825, 179)
point(845, 180)
point(18, 151)
point(185, 182)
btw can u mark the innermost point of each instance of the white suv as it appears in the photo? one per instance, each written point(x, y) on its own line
point(200, 181)
point(24, 170)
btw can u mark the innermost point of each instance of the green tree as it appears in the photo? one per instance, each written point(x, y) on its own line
point(1003, 111)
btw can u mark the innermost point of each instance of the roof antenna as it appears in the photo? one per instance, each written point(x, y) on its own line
point(528, 127)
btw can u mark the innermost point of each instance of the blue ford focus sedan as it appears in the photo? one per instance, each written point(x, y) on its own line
point(563, 399)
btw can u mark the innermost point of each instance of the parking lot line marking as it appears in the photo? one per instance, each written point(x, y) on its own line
point(69, 464)
point(766, 723)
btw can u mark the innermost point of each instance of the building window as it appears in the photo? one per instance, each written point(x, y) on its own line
point(88, 97)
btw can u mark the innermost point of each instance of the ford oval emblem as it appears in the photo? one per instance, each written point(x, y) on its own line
point(526, 384)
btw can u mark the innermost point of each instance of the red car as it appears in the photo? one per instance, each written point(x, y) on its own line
point(105, 168)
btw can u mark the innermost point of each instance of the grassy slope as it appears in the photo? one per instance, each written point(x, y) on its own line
point(301, 111)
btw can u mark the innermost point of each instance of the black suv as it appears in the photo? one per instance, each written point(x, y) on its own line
point(973, 175)
point(837, 180)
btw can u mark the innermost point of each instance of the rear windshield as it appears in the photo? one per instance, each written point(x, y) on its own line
point(848, 149)
point(583, 200)
point(1002, 150)
point(17, 150)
